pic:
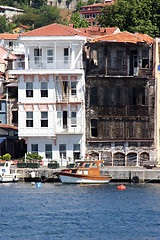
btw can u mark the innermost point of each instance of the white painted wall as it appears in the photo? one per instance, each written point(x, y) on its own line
point(69, 140)
point(47, 135)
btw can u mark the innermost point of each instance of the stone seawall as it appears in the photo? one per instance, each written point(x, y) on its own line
point(119, 174)
point(132, 174)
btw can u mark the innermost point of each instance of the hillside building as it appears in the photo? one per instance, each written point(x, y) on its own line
point(10, 12)
point(90, 12)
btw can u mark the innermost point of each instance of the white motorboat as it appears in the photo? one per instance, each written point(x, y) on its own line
point(5, 173)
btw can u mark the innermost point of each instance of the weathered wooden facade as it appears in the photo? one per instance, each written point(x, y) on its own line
point(120, 99)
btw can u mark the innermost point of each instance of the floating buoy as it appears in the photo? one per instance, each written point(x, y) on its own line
point(121, 187)
point(38, 184)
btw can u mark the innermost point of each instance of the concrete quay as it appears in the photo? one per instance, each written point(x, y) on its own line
point(43, 174)
point(132, 174)
point(119, 174)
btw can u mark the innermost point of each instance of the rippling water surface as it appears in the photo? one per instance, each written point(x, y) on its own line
point(97, 212)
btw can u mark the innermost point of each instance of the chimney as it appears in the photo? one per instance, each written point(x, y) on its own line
point(71, 25)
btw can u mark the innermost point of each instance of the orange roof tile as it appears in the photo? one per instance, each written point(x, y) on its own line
point(124, 37)
point(145, 37)
point(8, 126)
point(20, 25)
point(54, 29)
point(98, 31)
point(24, 26)
point(8, 36)
point(4, 54)
point(99, 4)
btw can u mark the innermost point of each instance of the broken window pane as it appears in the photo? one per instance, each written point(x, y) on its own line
point(145, 58)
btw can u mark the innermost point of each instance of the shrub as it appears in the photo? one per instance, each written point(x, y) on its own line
point(7, 156)
point(33, 156)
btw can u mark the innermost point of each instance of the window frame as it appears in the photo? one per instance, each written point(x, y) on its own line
point(44, 120)
point(73, 119)
point(29, 119)
point(73, 88)
point(59, 118)
point(50, 58)
point(37, 55)
point(66, 54)
point(44, 90)
point(94, 127)
point(145, 59)
point(34, 151)
point(29, 90)
point(76, 152)
point(61, 151)
point(48, 152)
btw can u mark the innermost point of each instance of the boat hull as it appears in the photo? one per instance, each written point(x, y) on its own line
point(6, 179)
point(73, 178)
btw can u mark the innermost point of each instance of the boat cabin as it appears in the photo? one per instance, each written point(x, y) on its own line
point(87, 168)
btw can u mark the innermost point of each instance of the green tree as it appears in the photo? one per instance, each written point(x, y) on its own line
point(79, 4)
point(3, 25)
point(29, 17)
point(90, 2)
point(47, 15)
point(133, 16)
point(39, 3)
point(79, 21)
point(10, 26)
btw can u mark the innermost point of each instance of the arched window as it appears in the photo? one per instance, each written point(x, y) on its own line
point(131, 159)
point(144, 157)
point(119, 159)
point(94, 155)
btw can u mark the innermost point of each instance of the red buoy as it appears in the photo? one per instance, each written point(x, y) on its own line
point(121, 187)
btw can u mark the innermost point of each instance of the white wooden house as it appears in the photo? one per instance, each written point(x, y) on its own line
point(51, 93)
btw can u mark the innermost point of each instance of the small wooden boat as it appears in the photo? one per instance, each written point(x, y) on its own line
point(84, 172)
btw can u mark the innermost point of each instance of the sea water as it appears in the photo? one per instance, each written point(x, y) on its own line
point(97, 212)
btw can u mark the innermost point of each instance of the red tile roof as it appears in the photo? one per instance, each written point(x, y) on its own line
point(20, 25)
point(4, 54)
point(145, 37)
point(55, 29)
point(93, 31)
point(98, 4)
point(9, 36)
point(24, 26)
point(125, 37)
point(8, 126)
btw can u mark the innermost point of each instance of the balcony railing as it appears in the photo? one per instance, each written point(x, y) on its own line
point(69, 130)
point(67, 98)
point(43, 64)
point(35, 131)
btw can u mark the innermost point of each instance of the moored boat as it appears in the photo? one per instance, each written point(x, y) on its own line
point(84, 172)
point(5, 173)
